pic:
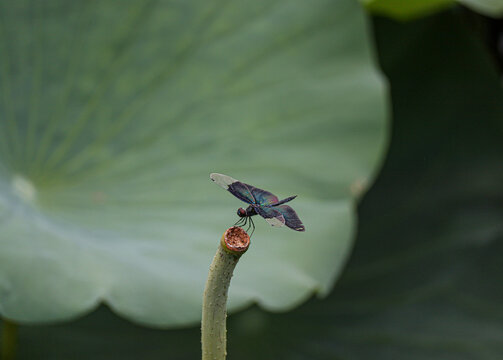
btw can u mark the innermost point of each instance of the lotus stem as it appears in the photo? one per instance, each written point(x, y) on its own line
point(234, 243)
point(9, 340)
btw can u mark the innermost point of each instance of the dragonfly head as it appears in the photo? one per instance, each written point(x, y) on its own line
point(241, 212)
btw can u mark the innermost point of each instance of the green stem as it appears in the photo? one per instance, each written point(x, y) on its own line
point(9, 340)
point(234, 243)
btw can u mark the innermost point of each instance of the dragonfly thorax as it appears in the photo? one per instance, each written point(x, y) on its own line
point(250, 211)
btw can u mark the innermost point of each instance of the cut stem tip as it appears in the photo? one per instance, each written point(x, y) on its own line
point(235, 240)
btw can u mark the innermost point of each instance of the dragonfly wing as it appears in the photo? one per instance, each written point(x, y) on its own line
point(271, 215)
point(222, 180)
point(291, 218)
point(263, 197)
point(235, 187)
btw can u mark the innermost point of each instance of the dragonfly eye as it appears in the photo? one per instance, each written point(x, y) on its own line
point(241, 212)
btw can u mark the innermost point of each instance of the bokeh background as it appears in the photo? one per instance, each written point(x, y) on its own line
point(424, 278)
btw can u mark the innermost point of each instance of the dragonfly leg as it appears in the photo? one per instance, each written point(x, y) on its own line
point(243, 222)
point(253, 226)
point(249, 225)
point(240, 222)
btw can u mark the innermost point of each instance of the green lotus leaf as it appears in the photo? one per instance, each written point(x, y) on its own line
point(406, 10)
point(113, 116)
point(493, 8)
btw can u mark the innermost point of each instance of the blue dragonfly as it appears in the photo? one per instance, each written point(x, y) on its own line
point(261, 202)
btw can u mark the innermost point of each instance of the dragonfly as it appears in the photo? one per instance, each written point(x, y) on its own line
point(261, 202)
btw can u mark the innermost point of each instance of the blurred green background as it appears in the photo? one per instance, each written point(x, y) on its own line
point(424, 280)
